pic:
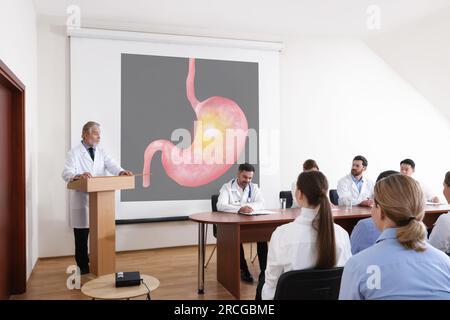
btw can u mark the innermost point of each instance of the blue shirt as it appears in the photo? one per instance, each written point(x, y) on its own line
point(387, 270)
point(358, 183)
point(364, 235)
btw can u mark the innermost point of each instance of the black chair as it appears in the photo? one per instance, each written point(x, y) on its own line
point(310, 284)
point(288, 196)
point(334, 197)
point(214, 199)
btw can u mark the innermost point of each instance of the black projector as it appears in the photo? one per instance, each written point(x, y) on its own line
point(128, 279)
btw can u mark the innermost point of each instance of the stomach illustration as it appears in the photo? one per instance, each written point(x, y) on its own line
point(216, 117)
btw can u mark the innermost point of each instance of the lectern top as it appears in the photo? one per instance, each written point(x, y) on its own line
point(103, 183)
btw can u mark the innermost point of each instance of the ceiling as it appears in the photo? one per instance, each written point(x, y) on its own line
point(294, 17)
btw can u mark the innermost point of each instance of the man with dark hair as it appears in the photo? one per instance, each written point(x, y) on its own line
point(354, 187)
point(240, 195)
point(365, 233)
point(363, 160)
point(246, 167)
point(408, 167)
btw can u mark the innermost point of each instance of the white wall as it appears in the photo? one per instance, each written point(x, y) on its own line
point(338, 99)
point(420, 53)
point(54, 233)
point(18, 51)
point(56, 238)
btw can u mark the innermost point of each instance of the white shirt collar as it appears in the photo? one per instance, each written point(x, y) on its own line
point(235, 186)
point(307, 215)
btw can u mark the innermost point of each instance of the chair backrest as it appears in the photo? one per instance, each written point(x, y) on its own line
point(334, 197)
point(288, 196)
point(214, 199)
point(310, 284)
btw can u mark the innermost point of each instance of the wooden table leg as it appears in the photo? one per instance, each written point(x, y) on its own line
point(228, 270)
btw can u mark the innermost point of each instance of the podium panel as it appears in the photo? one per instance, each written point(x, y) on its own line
point(102, 219)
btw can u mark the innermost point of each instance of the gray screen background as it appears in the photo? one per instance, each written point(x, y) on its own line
point(154, 103)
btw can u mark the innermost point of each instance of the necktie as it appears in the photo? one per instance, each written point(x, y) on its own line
point(91, 153)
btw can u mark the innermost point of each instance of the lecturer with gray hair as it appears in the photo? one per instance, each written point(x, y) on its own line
point(86, 160)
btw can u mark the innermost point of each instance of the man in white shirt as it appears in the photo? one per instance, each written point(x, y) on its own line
point(408, 167)
point(240, 195)
point(355, 187)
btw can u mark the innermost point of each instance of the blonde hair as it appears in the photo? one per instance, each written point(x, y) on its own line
point(403, 201)
point(88, 126)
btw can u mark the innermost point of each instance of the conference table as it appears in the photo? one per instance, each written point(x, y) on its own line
point(232, 229)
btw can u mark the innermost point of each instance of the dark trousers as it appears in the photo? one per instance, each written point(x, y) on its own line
point(81, 248)
point(261, 249)
point(261, 281)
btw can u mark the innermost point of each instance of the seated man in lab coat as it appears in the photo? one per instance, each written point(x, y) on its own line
point(240, 195)
point(86, 160)
point(355, 187)
point(408, 167)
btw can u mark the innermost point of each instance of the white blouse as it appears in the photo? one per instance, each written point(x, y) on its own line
point(440, 236)
point(293, 247)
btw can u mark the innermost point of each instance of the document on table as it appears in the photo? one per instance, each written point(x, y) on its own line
point(429, 203)
point(259, 212)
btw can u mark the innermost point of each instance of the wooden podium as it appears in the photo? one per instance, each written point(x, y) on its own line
point(102, 219)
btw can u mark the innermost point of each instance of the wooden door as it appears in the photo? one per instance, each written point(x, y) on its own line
point(12, 185)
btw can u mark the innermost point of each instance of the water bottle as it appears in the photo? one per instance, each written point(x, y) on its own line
point(283, 203)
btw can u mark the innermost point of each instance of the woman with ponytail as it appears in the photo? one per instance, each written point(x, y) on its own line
point(401, 265)
point(312, 240)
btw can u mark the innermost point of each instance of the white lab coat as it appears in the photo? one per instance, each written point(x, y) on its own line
point(293, 247)
point(294, 199)
point(232, 197)
point(347, 189)
point(429, 195)
point(79, 161)
point(440, 236)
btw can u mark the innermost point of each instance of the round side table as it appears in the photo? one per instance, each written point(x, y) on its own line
point(104, 287)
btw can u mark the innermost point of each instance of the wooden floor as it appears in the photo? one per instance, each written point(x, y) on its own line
point(176, 269)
